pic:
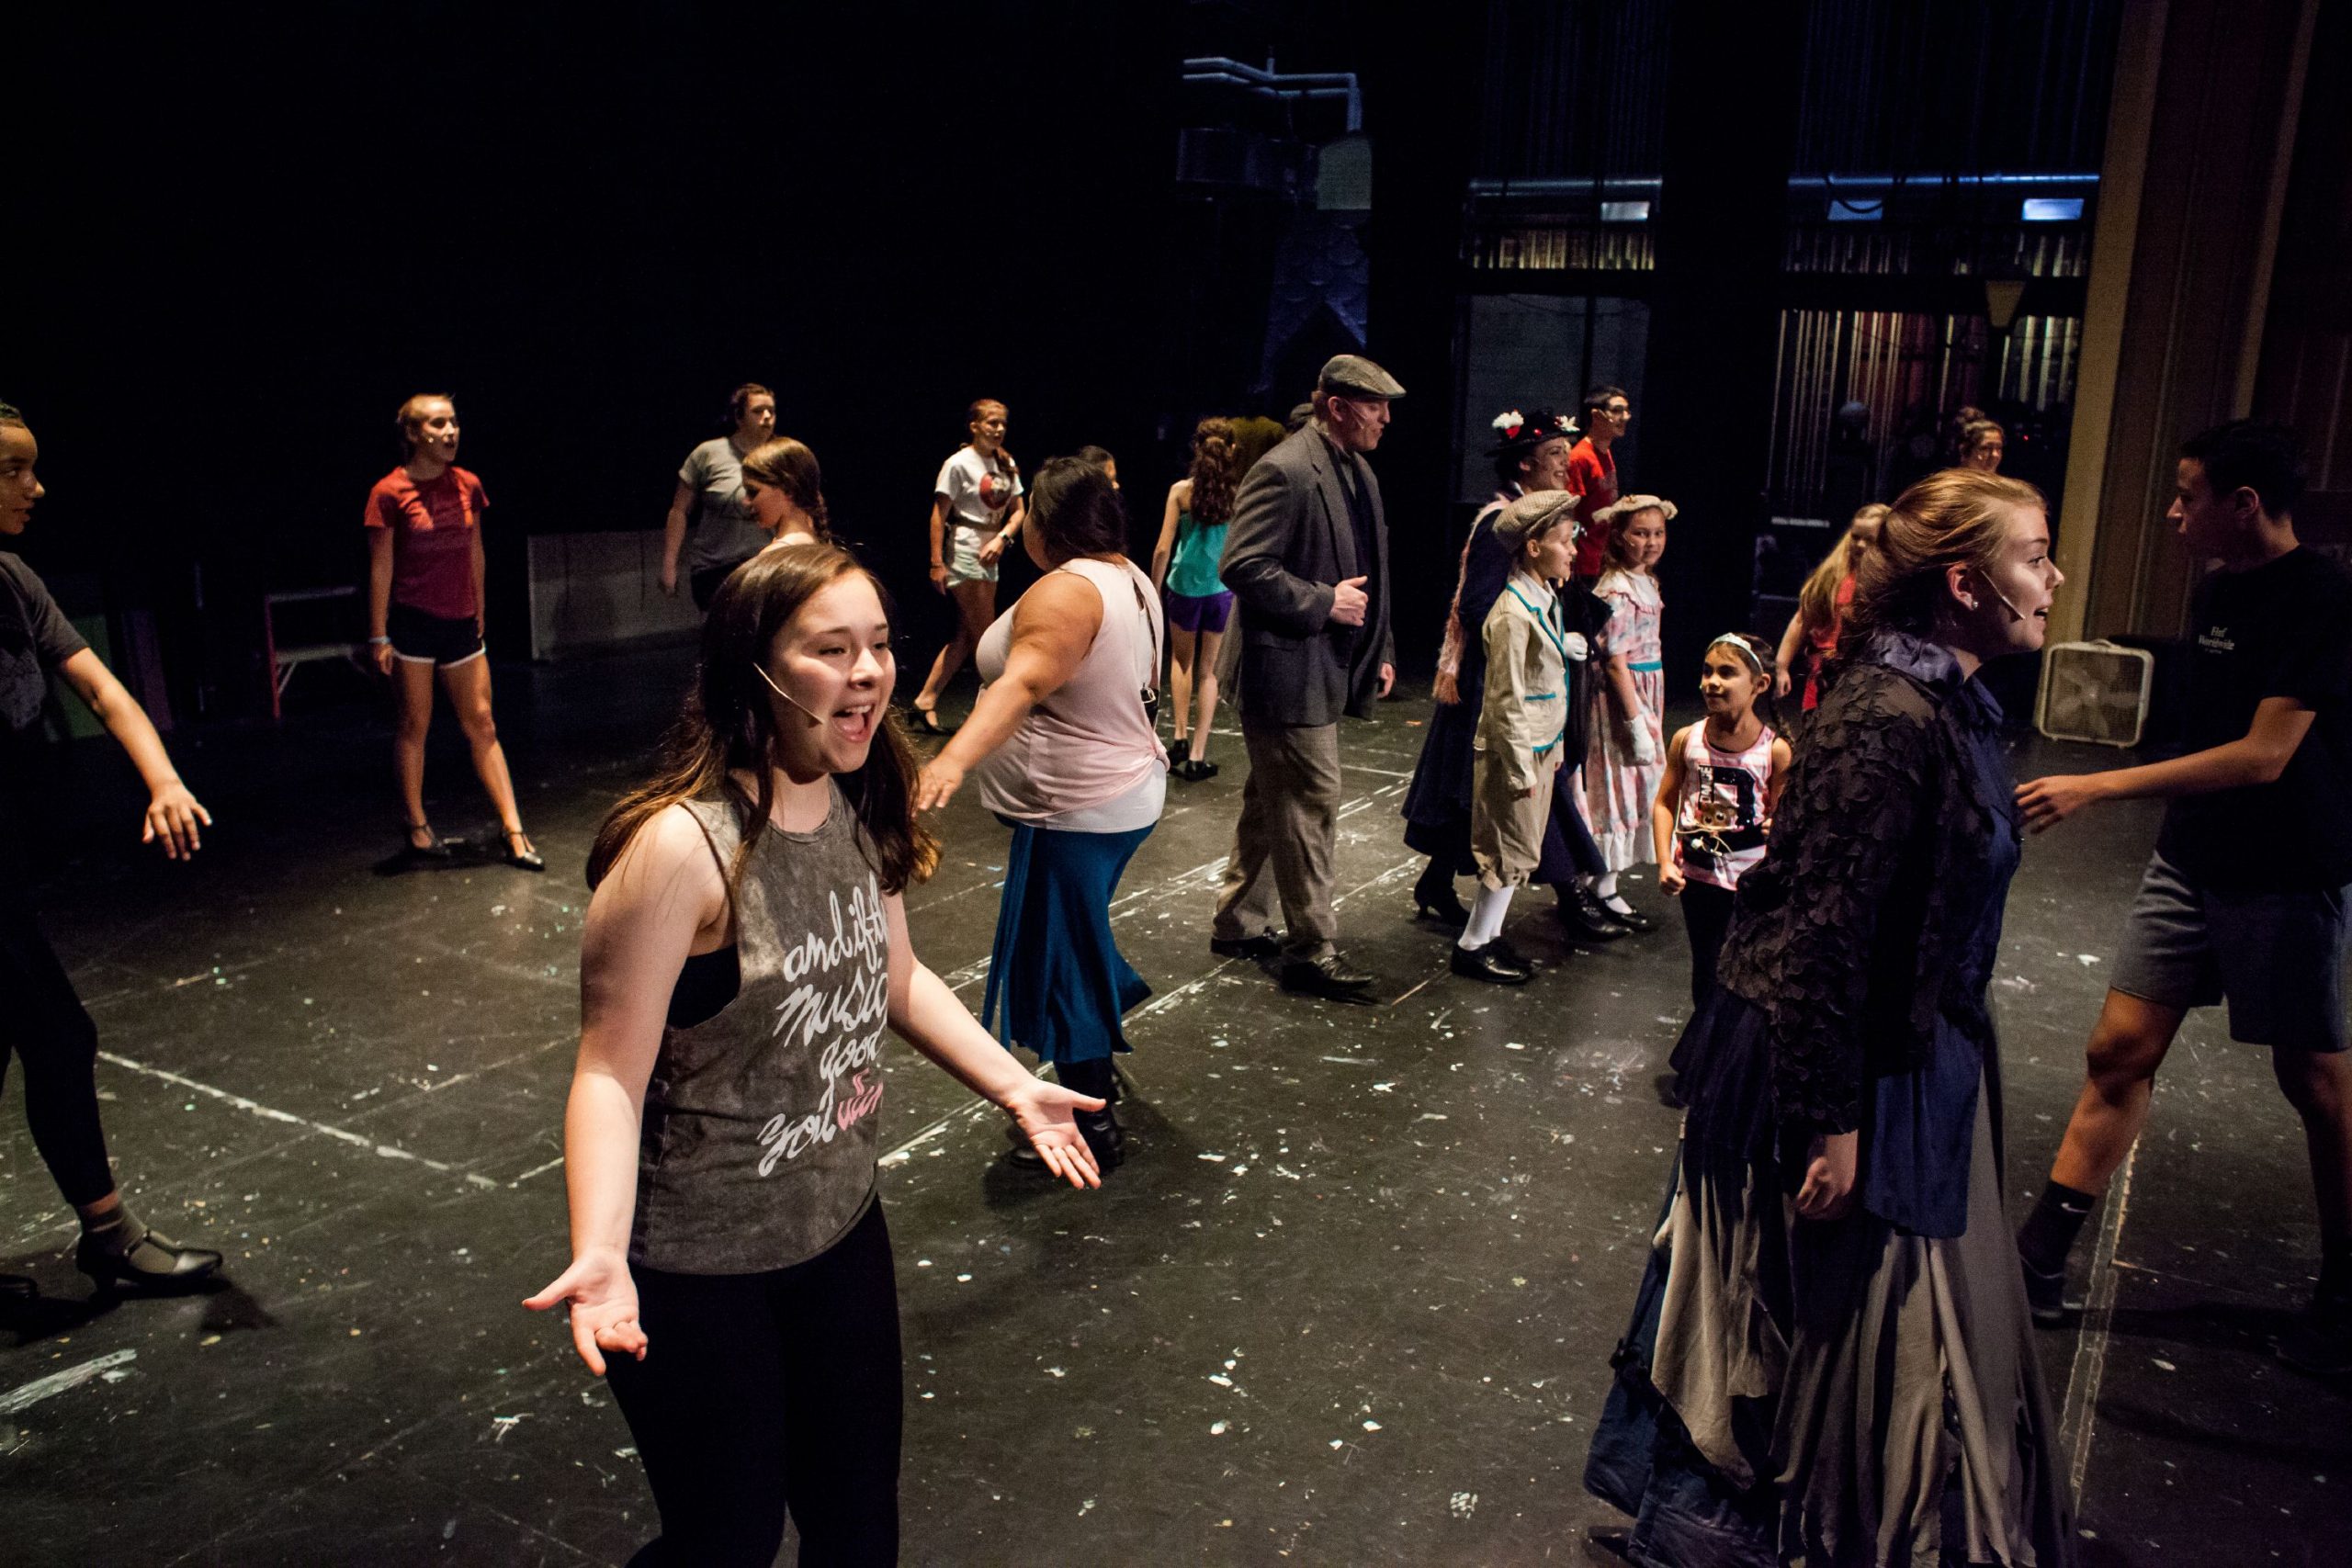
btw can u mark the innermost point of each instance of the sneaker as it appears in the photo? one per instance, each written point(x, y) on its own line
point(2320, 1342)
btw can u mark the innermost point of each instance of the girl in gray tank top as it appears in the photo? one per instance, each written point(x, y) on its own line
point(745, 951)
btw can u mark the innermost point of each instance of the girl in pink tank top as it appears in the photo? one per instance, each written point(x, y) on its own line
point(1715, 802)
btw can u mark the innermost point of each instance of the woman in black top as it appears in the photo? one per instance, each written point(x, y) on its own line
point(1830, 1356)
point(47, 1027)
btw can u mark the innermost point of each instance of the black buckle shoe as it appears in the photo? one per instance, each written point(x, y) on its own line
point(1582, 914)
point(1257, 948)
point(1328, 976)
point(1631, 920)
point(150, 1262)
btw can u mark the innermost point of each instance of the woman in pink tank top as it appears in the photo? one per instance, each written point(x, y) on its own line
point(1064, 749)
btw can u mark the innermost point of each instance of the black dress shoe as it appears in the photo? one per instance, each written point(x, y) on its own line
point(1329, 975)
point(128, 1253)
point(1486, 963)
point(1583, 914)
point(1257, 948)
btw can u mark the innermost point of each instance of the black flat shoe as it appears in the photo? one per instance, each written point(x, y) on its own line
point(1486, 963)
point(1329, 977)
point(1631, 920)
point(1256, 948)
point(519, 853)
point(143, 1260)
point(1194, 771)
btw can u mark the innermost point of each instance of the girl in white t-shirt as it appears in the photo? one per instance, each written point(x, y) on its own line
point(976, 508)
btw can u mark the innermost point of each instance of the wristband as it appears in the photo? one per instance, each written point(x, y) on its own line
point(377, 641)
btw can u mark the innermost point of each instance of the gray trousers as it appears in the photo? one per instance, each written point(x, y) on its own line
point(1289, 818)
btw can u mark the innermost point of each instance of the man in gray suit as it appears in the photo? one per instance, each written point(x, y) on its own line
point(1306, 558)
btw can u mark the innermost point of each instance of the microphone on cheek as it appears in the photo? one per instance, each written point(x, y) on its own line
point(795, 702)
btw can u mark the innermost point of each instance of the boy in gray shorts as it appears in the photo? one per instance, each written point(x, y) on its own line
point(2231, 910)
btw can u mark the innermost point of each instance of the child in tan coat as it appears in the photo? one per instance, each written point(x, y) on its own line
point(1520, 724)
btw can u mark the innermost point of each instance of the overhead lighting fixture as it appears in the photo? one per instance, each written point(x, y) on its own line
point(1625, 212)
point(2054, 210)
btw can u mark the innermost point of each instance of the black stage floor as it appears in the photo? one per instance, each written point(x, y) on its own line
point(1351, 1300)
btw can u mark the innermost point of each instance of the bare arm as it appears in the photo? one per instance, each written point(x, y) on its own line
point(380, 597)
point(673, 536)
point(482, 583)
point(1784, 661)
point(173, 813)
point(1053, 627)
point(1781, 757)
point(664, 894)
point(2257, 757)
point(928, 1016)
point(939, 543)
point(1620, 676)
point(1180, 495)
point(1662, 814)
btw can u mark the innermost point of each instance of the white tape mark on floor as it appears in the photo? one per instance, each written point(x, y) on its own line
point(33, 1393)
point(2090, 1351)
point(270, 1113)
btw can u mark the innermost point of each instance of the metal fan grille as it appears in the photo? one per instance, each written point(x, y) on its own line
point(2094, 692)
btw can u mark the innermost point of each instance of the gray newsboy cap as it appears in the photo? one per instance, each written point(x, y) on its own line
point(1353, 375)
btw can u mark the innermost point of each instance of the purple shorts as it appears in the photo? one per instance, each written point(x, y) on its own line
point(1207, 614)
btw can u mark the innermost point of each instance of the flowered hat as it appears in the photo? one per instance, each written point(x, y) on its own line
point(1517, 431)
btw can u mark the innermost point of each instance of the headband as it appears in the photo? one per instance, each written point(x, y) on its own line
point(1738, 640)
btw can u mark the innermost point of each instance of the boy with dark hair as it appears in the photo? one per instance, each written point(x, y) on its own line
point(2229, 911)
point(1593, 474)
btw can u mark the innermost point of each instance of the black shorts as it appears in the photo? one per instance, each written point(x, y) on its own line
point(419, 638)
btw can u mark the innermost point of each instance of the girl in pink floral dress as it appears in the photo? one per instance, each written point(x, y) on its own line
point(1627, 753)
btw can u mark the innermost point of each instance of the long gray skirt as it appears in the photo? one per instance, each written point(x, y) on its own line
point(1909, 1421)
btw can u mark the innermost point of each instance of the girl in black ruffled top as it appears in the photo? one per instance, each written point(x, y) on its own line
point(1830, 1356)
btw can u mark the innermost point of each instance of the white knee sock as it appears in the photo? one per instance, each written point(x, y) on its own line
point(1605, 887)
point(1486, 911)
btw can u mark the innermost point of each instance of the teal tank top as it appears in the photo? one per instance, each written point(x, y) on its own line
point(1191, 570)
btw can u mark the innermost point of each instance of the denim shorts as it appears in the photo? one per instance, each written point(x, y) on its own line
point(2276, 958)
point(964, 564)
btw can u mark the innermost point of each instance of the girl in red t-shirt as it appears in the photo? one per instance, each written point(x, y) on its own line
point(424, 612)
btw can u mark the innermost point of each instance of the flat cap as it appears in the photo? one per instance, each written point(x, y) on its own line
point(1353, 375)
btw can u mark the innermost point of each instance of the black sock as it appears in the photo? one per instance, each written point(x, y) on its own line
point(2050, 1231)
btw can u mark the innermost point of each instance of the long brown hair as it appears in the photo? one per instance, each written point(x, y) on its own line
point(788, 466)
point(1212, 473)
point(728, 730)
point(1954, 517)
point(1817, 600)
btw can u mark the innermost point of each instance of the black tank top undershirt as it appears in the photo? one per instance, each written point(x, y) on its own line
point(708, 983)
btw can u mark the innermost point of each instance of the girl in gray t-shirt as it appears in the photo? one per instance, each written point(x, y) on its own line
point(744, 950)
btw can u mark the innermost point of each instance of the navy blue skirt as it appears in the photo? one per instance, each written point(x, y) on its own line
point(1057, 984)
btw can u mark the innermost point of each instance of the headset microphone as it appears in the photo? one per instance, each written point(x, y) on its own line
point(2015, 614)
point(787, 696)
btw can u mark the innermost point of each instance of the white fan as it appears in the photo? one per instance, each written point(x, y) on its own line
point(2095, 691)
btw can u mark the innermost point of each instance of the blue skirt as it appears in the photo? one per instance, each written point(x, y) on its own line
point(1059, 979)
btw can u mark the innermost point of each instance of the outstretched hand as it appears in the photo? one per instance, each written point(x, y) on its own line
point(604, 1307)
point(937, 783)
point(172, 815)
point(2046, 802)
point(1044, 1112)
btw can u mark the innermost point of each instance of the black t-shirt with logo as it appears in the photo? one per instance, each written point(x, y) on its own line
point(2283, 630)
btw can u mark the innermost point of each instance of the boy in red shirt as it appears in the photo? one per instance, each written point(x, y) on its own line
point(1593, 474)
